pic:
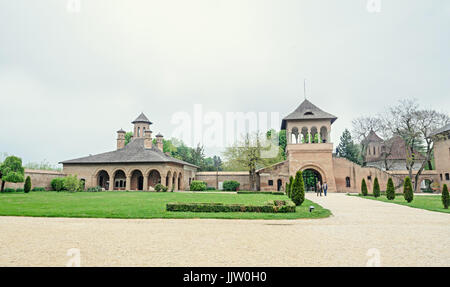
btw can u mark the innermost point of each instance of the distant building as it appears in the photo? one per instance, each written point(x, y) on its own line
point(442, 154)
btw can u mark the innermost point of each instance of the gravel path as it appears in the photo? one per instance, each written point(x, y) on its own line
point(402, 236)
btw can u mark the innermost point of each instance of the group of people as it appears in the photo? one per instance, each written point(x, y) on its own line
point(321, 188)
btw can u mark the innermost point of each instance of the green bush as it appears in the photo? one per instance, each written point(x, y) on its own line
point(57, 184)
point(376, 188)
point(197, 185)
point(445, 197)
point(27, 185)
point(231, 185)
point(94, 189)
point(72, 183)
point(38, 189)
point(408, 190)
point(298, 189)
point(270, 207)
point(161, 188)
point(363, 187)
point(8, 189)
point(20, 189)
point(210, 188)
point(390, 189)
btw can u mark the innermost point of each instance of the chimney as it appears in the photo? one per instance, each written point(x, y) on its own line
point(148, 139)
point(159, 142)
point(120, 139)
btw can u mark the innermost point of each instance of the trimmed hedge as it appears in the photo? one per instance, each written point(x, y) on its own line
point(38, 189)
point(261, 192)
point(231, 185)
point(94, 189)
point(198, 185)
point(277, 206)
point(20, 189)
point(8, 189)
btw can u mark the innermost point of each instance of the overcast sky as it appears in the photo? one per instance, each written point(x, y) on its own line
point(69, 80)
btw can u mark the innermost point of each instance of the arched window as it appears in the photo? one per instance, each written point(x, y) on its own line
point(374, 151)
point(139, 132)
point(347, 181)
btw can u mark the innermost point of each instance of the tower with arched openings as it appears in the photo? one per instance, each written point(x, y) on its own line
point(309, 147)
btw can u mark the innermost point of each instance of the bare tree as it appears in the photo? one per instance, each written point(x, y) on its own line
point(415, 127)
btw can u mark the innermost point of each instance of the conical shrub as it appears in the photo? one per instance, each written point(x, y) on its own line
point(390, 189)
point(364, 187)
point(445, 197)
point(408, 190)
point(298, 189)
point(376, 188)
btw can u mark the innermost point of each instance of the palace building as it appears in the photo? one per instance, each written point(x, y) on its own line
point(139, 165)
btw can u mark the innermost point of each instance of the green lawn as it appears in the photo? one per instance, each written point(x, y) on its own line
point(139, 205)
point(428, 202)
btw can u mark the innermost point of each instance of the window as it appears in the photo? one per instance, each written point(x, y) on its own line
point(139, 132)
point(447, 176)
point(270, 182)
point(441, 176)
point(347, 181)
point(374, 153)
point(369, 177)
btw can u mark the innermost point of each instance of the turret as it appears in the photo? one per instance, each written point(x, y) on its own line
point(159, 141)
point(120, 139)
point(148, 139)
point(141, 124)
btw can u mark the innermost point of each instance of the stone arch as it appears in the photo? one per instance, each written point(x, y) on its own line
point(102, 178)
point(314, 135)
point(305, 133)
point(168, 179)
point(295, 135)
point(154, 177)
point(119, 179)
point(323, 134)
point(136, 179)
point(317, 168)
point(180, 181)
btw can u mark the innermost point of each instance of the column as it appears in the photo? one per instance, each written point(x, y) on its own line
point(111, 182)
point(169, 186)
point(145, 187)
point(128, 183)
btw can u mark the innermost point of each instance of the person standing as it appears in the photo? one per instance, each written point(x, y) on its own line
point(319, 188)
point(325, 188)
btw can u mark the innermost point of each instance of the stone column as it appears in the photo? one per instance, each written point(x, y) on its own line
point(128, 183)
point(145, 187)
point(169, 186)
point(111, 182)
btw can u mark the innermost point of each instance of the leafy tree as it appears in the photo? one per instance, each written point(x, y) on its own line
point(363, 187)
point(298, 189)
point(445, 197)
point(11, 170)
point(408, 190)
point(27, 185)
point(376, 188)
point(128, 137)
point(347, 148)
point(247, 155)
point(390, 189)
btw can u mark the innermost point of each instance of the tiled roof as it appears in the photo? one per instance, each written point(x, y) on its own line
point(141, 119)
point(134, 152)
point(307, 111)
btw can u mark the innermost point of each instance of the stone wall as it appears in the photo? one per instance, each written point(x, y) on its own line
point(275, 177)
point(442, 161)
point(39, 178)
point(212, 178)
point(344, 168)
